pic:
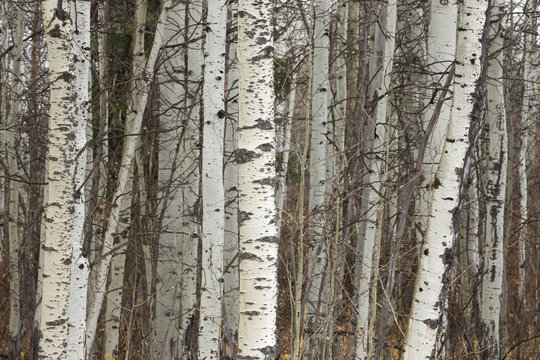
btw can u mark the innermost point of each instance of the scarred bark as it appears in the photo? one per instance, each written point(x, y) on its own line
point(79, 267)
point(256, 178)
point(493, 263)
point(441, 50)
point(436, 252)
point(57, 249)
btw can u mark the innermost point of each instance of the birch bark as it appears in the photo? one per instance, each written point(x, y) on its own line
point(168, 317)
point(57, 249)
point(529, 93)
point(13, 210)
point(495, 191)
point(176, 288)
point(284, 131)
point(230, 253)
point(256, 178)
point(191, 221)
point(338, 161)
point(381, 72)
point(441, 51)
point(213, 193)
point(39, 288)
point(80, 14)
point(318, 249)
point(99, 155)
point(115, 286)
point(436, 251)
point(128, 154)
point(122, 232)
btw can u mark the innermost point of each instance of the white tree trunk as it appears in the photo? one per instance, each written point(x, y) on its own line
point(436, 252)
point(121, 235)
point(473, 254)
point(169, 264)
point(100, 154)
point(336, 183)
point(441, 51)
point(178, 245)
point(113, 306)
point(285, 151)
point(128, 154)
point(257, 338)
point(381, 70)
point(115, 286)
point(490, 310)
point(57, 250)
point(318, 249)
point(285, 130)
point(527, 114)
point(39, 289)
point(230, 251)
point(79, 263)
point(213, 193)
point(191, 222)
point(13, 211)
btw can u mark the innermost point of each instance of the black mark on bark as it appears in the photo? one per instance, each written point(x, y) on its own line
point(249, 256)
point(243, 156)
point(432, 323)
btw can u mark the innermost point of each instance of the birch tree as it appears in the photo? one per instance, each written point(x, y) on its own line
point(338, 166)
point(213, 193)
point(381, 71)
point(13, 209)
point(230, 253)
point(191, 221)
point(128, 154)
point(100, 152)
point(441, 50)
point(436, 251)
point(176, 288)
point(496, 189)
point(122, 232)
point(194, 30)
point(255, 157)
point(80, 14)
point(529, 94)
point(169, 265)
point(320, 89)
point(57, 249)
